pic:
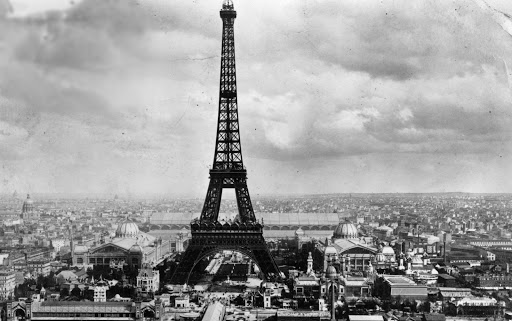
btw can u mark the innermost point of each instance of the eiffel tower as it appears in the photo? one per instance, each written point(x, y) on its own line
point(245, 233)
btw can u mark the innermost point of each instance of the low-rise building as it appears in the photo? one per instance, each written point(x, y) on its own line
point(83, 310)
point(40, 267)
point(493, 280)
point(388, 286)
point(306, 287)
point(148, 280)
point(448, 293)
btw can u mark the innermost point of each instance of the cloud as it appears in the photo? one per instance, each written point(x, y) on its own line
point(122, 96)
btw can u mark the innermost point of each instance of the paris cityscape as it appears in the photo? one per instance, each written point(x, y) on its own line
point(374, 183)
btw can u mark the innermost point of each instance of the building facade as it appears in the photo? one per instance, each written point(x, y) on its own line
point(28, 213)
point(7, 284)
point(81, 310)
point(148, 280)
point(129, 247)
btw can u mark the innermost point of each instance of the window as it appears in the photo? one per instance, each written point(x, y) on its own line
point(79, 260)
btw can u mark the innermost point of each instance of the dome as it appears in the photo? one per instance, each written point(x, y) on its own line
point(346, 230)
point(29, 200)
point(330, 250)
point(331, 273)
point(388, 250)
point(380, 257)
point(28, 205)
point(135, 249)
point(127, 230)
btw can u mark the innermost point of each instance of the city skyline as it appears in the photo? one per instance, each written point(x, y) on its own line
point(334, 98)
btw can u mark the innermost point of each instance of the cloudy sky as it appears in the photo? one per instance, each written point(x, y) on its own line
point(121, 96)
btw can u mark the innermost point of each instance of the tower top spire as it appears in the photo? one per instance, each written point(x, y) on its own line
point(228, 5)
point(228, 11)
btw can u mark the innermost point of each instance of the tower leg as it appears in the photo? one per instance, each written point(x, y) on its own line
point(213, 198)
point(243, 200)
point(205, 243)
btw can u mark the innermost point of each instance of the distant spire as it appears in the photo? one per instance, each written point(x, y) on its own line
point(310, 265)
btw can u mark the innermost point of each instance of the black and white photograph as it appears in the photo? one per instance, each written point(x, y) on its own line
point(234, 160)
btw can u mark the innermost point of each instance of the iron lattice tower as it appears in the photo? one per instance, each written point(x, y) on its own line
point(228, 170)
point(245, 233)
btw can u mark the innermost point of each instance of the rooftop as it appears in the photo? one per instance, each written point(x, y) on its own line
point(82, 306)
point(399, 280)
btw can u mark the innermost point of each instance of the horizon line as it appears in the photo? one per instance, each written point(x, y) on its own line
point(99, 195)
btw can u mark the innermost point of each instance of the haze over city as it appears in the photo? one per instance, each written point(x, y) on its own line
point(353, 96)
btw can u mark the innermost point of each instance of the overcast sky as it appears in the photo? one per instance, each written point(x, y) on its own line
point(335, 96)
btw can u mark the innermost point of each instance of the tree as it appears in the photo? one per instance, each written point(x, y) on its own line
point(51, 280)
point(40, 281)
point(239, 300)
point(425, 306)
point(450, 309)
point(64, 292)
point(76, 292)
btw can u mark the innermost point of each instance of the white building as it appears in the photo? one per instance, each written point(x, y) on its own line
point(100, 291)
point(148, 280)
point(7, 284)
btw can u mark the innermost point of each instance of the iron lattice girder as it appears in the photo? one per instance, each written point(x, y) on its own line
point(220, 179)
point(228, 169)
point(228, 151)
point(209, 238)
point(245, 234)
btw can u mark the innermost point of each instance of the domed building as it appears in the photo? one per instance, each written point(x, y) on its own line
point(129, 247)
point(385, 259)
point(349, 250)
point(127, 230)
point(27, 211)
point(389, 252)
point(346, 230)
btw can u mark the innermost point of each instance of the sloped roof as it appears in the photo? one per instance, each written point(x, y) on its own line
point(434, 317)
point(345, 244)
point(67, 275)
point(82, 306)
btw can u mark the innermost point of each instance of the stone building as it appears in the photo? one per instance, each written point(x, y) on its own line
point(148, 280)
point(83, 310)
point(7, 284)
point(348, 249)
point(129, 247)
point(28, 213)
